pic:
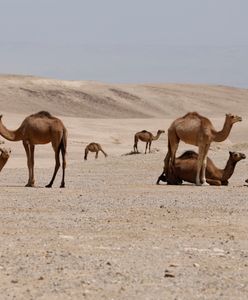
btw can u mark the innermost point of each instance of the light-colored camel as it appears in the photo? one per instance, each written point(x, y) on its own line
point(185, 169)
point(147, 137)
point(196, 130)
point(93, 147)
point(40, 128)
point(4, 156)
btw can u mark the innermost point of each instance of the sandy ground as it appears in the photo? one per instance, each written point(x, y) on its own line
point(112, 233)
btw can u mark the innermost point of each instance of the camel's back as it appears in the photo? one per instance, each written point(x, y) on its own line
point(41, 127)
point(143, 135)
point(191, 127)
point(93, 147)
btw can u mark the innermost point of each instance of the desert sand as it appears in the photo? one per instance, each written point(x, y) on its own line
point(112, 233)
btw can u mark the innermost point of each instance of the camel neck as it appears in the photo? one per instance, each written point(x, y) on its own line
point(156, 136)
point(220, 136)
point(11, 135)
point(229, 169)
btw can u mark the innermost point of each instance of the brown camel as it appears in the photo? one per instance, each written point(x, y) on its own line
point(196, 130)
point(4, 156)
point(185, 169)
point(93, 147)
point(145, 136)
point(40, 128)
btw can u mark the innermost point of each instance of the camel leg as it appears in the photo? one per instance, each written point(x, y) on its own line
point(146, 147)
point(29, 163)
point(163, 176)
point(173, 142)
point(150, 143)
point(213, 181)
point(201, 157)
point(204, 165)
point(62, 185)
point(57, 165)
point(135, 145)
point(86, 153)
point(32, 163)
point(174, 148)
point(105, 154)
point(96, 155)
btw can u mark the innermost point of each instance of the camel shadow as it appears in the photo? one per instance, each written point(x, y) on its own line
point(131, 153)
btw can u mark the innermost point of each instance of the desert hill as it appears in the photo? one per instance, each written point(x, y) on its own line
point(89, 99)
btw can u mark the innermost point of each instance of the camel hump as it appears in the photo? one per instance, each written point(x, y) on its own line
point(192, 114)
point(42, 114)
point(188, 154)
point(144, 131)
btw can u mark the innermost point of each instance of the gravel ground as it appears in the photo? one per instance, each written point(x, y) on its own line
point(113, 234)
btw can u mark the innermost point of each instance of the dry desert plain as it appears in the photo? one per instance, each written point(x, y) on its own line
point(112, 233)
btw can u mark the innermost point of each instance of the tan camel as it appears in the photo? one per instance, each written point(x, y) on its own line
point(185, 169)
point(4, 156)
point(147, 137)
point(40, 128)
point(196, 130)
point(93, 147)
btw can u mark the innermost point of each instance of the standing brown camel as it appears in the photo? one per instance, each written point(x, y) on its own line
point(196, 130)
point(145, 136)
point(93, 147)
point(185, 168)
point(4, 156)
point(40, 128)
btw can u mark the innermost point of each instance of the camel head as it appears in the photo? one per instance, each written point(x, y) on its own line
point(233, 119)
point(5, 153)
point(160, 131)
point(236, 156)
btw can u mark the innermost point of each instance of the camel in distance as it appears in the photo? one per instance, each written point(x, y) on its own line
point(185, 169)
point(4, 156)
point(93, 147)
point(147, 137)
point(196, 130)
point(40, 128)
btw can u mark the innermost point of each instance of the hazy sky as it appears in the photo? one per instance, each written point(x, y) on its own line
point(197, 41)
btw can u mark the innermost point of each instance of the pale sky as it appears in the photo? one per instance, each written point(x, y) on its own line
point(131, 41)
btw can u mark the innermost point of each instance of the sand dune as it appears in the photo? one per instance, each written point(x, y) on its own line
point(85, 99)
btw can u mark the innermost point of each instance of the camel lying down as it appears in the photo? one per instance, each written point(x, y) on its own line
point(185, 169)
point(4, 156)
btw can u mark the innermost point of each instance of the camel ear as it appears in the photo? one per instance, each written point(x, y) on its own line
point(230, 152)
point(1, 117)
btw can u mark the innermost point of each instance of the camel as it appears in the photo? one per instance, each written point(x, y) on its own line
point(196, 130)
point(40, 128)
point(145, 136)
point(4, 156)
point(185, 169)
point(93, 147)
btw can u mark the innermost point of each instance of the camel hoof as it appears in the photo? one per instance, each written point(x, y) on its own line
point(48, 186)
point(29, 185)
point(62, 186)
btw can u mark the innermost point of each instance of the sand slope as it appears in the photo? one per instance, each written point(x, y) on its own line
point(26, 94)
